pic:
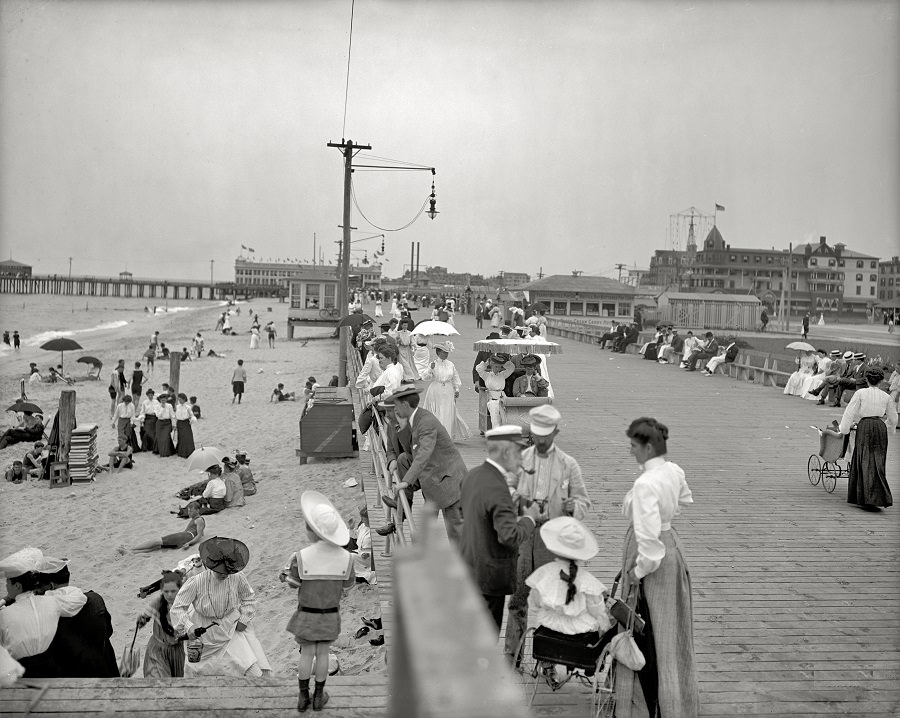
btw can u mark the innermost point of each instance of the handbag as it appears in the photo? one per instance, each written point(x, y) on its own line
point(623, 611)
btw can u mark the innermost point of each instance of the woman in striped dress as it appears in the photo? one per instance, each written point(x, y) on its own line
point(221, 601)
point(653, 565)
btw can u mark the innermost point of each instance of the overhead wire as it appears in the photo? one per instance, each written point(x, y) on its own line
point(347, 84)
point(384, 229)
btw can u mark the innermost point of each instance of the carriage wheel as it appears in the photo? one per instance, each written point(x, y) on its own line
point(603, 699)
point(830, 472)
point(814, 469)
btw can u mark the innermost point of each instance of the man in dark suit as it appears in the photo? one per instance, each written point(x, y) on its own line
point(437, 467)
point(709, 349)
point(493, 531)
point(398, 451)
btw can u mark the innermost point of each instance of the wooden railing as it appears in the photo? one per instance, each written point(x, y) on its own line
point(443, 654)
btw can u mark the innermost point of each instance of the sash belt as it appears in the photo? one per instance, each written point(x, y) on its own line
point(307, 609)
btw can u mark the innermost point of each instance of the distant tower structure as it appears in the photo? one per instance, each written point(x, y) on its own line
point(685, 226)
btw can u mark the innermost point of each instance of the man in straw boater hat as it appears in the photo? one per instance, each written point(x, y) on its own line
point(493, 531)
point(437, 466)
point(323, 569)
point(220, 640)
point(550, 479)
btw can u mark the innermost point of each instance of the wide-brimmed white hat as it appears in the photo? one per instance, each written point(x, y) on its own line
point(445, 345)
point(567, 537)
point(22, 562)
point(323, 518)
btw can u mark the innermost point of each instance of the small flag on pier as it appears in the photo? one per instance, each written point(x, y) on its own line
point(719, 208)
point(250, 249)
point(243, 247)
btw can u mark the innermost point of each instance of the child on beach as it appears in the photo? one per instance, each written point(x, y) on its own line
point(322, 570)
point(195, 407)
point(238, 379)
point(164, 656)
point(150, 357)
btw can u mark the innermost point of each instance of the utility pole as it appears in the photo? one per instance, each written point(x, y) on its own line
point(787, 314)
point(541, 273)
point(620, 267)
point(344, 276)
point(70, 269)
point(211, 262)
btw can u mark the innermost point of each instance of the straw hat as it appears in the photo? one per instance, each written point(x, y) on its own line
point(507, 432)
point(224, 555)
point(544, 419)
point(445, 346)
point(323, 518)
point(567, 537)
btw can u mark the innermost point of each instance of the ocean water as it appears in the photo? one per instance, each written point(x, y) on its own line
point(41, 317)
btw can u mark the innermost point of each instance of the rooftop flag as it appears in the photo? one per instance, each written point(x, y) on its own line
point(719, 208)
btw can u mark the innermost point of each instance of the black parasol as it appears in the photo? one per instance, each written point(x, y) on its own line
point(61, 344)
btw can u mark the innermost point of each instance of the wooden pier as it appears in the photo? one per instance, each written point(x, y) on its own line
point(795, 591)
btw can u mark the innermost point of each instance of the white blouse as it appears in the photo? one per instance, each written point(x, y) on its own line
point(444, 371)
point(587, 610)
point(655, 499)
point(869, 402)
point(28, 626)
point(183, 411)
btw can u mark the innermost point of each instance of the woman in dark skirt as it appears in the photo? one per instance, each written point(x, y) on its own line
point(148, 427)
point(874, 413)
point(164, 417)
point(184, 417)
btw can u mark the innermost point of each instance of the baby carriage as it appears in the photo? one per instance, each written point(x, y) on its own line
point(826, 465)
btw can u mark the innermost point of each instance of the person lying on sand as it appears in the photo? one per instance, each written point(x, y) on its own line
point(193, 533)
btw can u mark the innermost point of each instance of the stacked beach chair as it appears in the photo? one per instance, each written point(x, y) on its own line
point(83, 453)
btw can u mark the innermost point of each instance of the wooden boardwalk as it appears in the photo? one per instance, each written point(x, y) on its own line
point(796, 592)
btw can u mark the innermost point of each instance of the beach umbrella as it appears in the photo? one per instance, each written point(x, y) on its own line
point(801, 347)
point(94, 362)
point(431, 327)
point(61, 344)
point(23, 406)
point(204, 457)
point(517, 346)
point(354, 320)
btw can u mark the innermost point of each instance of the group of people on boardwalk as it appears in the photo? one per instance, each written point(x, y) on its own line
point(871, 411)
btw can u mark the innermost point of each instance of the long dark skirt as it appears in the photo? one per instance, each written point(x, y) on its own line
point(164, 444)
point(148, 434)
point(868, 479)
point(185, 438)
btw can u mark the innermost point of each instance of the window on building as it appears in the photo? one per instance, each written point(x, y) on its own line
point(745, 258)
point(330, 293)
point(608, 310)
point(732, 257)
point(830, 262)
point(793, 286)
point(860, 264)
point(576, 308)
point(559, 308)
point(757, 259)
point(872, 291)
point(873, 277)
point(813, 262)
point(312, 296)
point(840, 262)
point(592, 309)
point(858, 289)
point(873, 264)
point(858, 277)
point(624, 309)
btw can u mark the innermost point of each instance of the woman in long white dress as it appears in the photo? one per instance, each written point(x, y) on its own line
point(443, 391)
point(405, 341)
point(254, 338)
point(805, 369)
point(817, 379)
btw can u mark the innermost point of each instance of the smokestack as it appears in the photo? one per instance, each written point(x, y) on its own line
point(412, 260)
point(418, 250)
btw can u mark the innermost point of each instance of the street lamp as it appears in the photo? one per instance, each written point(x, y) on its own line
point(432, 212)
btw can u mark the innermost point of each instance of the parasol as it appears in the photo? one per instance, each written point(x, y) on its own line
point(431, 327)
point(801, 347)
point(26, 406)
point(61, 344)
point(517, 346)
point(204, 457)
point(354, 320)
point(94, 362)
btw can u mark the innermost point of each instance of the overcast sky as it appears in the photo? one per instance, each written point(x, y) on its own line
point(161, 135)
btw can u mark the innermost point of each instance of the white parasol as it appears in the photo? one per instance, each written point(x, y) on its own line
point(432, 328)
point(517, 346)
point(204, 457)
point(801, 347)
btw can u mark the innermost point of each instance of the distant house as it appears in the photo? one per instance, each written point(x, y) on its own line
point(709, 311)
point(581, 296)
point(126, 276)
point(11, 268)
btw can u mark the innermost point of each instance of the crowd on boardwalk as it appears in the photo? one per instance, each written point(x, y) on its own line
point(519, 520)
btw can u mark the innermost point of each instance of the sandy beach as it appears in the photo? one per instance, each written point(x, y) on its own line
point(87, 522)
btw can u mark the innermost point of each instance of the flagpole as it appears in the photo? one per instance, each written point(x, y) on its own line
point(715, 213)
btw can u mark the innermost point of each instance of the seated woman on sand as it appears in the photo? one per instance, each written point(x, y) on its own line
point(193, 533)
point(29, 428)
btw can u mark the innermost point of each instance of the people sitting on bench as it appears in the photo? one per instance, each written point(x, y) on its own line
point(629, 337)
point(727, 356)
point(708, 350)
point(674, 344)
point(614, 333)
